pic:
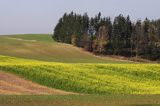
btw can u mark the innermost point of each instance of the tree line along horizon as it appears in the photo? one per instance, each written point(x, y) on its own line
point(100, 35)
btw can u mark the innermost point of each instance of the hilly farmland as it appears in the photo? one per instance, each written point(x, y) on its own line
point(70, 70)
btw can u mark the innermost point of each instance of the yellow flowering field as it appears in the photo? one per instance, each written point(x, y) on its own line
point(87, 78)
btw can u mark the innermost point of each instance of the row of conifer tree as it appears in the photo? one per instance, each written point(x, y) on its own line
point(100, 35)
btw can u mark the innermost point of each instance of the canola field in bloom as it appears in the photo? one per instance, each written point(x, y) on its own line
point(87, 78)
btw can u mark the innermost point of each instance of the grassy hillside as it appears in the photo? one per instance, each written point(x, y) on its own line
point(42, 47)
point(88, 78)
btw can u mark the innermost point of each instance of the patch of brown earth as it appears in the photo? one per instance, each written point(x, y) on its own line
point(13, 85)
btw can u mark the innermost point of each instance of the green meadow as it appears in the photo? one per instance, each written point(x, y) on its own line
point(42, 47)
point(81, 100)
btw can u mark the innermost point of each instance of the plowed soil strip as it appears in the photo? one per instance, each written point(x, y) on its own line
point(13, 85)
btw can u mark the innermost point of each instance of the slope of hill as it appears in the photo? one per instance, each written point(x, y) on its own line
point(40, 59)
point(42, 47)
point(88, 78)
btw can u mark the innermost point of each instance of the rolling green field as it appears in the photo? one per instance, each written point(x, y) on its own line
point(40, 59)
point(42, 47)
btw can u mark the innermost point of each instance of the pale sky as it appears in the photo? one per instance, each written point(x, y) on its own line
point(40, 16)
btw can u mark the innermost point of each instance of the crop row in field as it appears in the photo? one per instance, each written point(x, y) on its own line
point(88, 78)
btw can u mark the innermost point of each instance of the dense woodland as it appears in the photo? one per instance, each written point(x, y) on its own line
point(100, 35)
